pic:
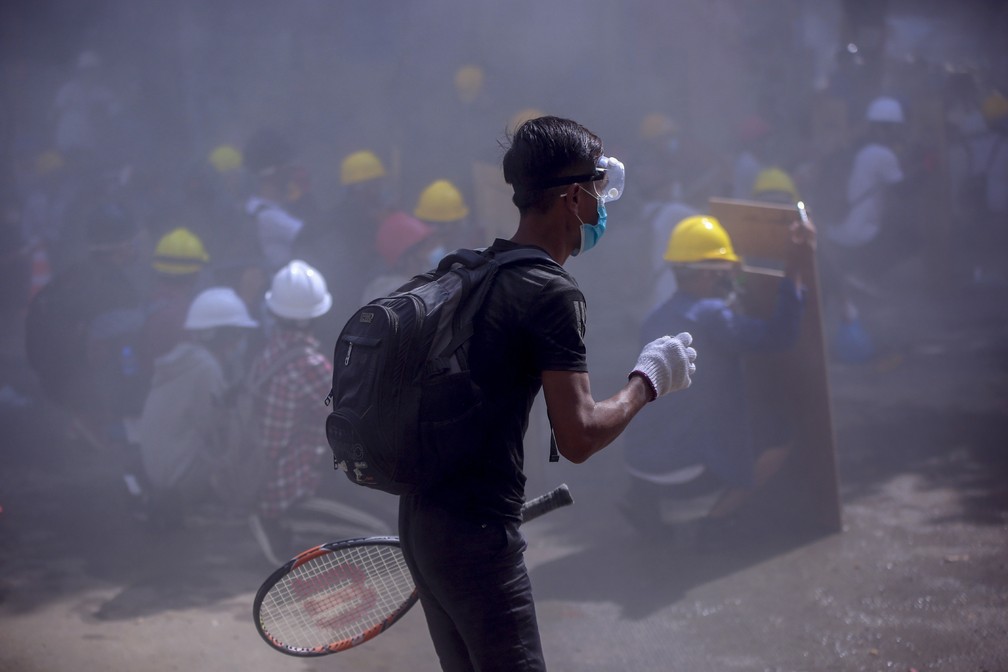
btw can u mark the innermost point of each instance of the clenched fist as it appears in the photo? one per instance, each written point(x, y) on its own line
point(667, 363)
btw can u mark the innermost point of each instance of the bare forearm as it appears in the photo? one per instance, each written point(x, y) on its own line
point(592, 425)
point(611, 416)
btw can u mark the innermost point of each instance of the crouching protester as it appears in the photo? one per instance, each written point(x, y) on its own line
point(178, 427)
point(712, 444)
point(293, 376)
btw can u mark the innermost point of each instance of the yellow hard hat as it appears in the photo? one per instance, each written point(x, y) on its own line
point(468, 82)
point(225, 159)
point(995, 107)
point(521, 116)
point(180, 252)
point(657, 125)
point(771, 180)
point(360, 167)
point(441, 201)
point(699, 238)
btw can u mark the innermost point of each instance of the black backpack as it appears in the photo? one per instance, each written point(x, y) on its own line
point(405, 410)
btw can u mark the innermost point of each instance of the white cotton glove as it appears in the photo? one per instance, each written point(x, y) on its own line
point(667, 363)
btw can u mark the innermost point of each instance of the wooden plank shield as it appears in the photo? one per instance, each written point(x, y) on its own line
point(792, 383)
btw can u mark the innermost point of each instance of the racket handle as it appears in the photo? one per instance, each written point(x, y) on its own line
point(554, 499)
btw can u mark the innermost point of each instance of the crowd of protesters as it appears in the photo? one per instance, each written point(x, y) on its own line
point(148, 301)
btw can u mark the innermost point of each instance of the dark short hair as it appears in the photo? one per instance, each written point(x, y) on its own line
point(543, 149)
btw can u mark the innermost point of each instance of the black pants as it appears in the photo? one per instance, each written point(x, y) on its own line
point(473, 586)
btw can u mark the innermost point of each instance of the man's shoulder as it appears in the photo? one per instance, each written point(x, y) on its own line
point(538, 268)
point(536, 280)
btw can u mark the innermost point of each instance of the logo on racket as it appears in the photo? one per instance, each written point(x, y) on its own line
point(337, 597)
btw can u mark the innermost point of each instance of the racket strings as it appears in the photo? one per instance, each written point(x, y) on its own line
point(337, 597)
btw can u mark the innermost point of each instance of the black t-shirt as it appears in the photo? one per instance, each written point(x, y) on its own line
point(533, 320)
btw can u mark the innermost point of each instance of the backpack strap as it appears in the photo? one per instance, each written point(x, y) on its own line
point(525, 254)
point(474, 259)
point(468, 258)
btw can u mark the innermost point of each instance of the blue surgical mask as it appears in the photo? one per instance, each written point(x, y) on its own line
point(591, 233)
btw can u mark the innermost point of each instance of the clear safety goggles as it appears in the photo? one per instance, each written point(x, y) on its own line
point(615, 178)
point(608, 169)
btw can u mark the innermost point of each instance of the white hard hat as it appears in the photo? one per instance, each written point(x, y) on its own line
point(885, 109)
point(298, 292)
point(218, 307)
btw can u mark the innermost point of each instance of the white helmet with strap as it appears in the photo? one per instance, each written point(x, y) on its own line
point(298, 292)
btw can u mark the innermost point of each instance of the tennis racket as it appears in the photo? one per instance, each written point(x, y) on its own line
point(341, 594)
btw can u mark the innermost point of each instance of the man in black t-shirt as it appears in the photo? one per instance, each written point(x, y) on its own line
point(462, 541)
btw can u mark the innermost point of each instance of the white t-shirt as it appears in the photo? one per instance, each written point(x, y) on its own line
point(875, 168)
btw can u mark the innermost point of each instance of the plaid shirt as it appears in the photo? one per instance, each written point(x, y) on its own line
point(293, 419)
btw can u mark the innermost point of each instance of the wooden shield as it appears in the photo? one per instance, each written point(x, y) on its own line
point(792, 383)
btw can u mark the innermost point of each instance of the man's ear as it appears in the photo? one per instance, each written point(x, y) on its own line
point(572, 199)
